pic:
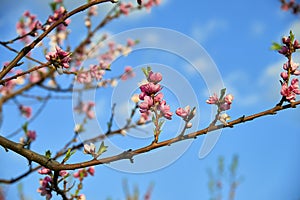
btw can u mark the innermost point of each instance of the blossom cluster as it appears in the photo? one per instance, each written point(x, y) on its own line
point(60, 59)
point(26, 111)
point(86, 108)
point(290, 92)
point(291, 5)
point(222, 103)
point(28, 24)
point(57, 15)
point(186, 114)
point(99, 70)
point(46, 183)
point(10, 85)
point(289, 88)
point(152, 98)
point(82, 173)
point(289, 45)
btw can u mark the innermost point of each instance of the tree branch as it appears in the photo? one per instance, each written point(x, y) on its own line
point(54, 165)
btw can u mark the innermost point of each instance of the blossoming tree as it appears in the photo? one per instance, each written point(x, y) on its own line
point(62, 68)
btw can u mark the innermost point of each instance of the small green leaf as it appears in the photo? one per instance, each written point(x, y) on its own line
point(292, 36)
point(145, 71)
point(68, 155)
point(102, 149)
point(222, 93)
point(25, 127)
point(53, 6)
point(136, 41)
point(276, 46)
point(48, 154)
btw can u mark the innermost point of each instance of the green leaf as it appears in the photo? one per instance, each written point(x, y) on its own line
point(222, 93)
point(145, 71)
point(292, 36)
point(276, 46)
point(25, 127)
point(48, 154)
point(102, 149)
point(68, 155)
point(136, 41)
point(53, 6)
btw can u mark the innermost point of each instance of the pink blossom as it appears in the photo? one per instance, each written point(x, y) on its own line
point(31, 135)
point(183, 112)
point(130, 42)
point(91, 170)
point(44, 189)
point(228, 99)
point(284, 50)
point(88, 109)
point(96, 72)
point(59, 13)
point(149, 89)
point(93, 11)
point(8, 87)
point(44, 170)
point(225, 106)
point(125, 8)
point(284, 75)
point(104, 65)
point(63, 173)
point(27, 24)
point(146, 104)
point(296, 44)
point(84, 77)
point(165, 109)
point(80, 174)
point(286, 40)
point(213, 99)
point(35, 77)
point(154, 77)
point(59, 58)
point(290, 92)
point(26, 111)
point(128, 73)
point(159, 97)
point(293, 68)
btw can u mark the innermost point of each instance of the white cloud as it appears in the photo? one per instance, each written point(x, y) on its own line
point(202, 31)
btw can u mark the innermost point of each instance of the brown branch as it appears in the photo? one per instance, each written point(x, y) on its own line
point(54, 165)
point(28, 48)
point(23, 73)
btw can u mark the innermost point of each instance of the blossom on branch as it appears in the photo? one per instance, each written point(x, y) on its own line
point(25, 111)
point(60, 59)
point(290, 92)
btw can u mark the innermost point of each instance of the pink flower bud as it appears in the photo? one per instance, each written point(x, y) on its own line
point(154, 77)
point(31, 135)
point(44, 170)
point(286, 40)
point(91, 170)
point(284, 50)
point(296, 44)
point(213, 99)
point(284, 75)
point(228, 99)
point(63, 173)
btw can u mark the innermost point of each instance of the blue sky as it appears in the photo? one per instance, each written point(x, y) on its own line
point(237, 35)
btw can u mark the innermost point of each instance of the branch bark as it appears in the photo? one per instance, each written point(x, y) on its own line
point(55, 166)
